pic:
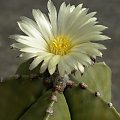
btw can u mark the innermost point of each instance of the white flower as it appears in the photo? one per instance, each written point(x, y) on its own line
point(64, 41)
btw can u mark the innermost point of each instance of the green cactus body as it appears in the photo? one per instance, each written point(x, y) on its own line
point(26, 98)
point(16, 95)
point(84, 105)
point(47, 109)
point(98, 78)
point(23, 69)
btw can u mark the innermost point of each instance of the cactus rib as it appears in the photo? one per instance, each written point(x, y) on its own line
point(17, 95)
point(47, 109)
point(84, 105)
point(98, 78)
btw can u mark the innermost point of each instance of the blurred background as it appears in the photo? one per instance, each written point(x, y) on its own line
point(108, 14)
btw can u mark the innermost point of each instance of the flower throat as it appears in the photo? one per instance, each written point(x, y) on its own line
point(60, 45)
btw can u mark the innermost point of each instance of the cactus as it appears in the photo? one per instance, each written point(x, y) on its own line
point(50, 106)
point(60, 80)
point(17, 94)
point(86, 105)
point(28, 97)
point(98, 77)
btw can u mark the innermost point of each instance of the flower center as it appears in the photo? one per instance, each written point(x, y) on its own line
point(60, 45)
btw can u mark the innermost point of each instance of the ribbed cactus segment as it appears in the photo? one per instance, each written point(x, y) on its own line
point(85, 105)
point(50, 106)
point(98, 78)
point(17, 94)
point(61, 111)
point(31, 96)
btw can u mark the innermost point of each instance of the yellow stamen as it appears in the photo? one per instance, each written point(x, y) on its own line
point(60, 45)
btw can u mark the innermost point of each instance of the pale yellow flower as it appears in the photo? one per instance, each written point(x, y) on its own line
point(64, 41)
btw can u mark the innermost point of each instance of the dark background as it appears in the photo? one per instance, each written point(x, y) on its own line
point(108, 15)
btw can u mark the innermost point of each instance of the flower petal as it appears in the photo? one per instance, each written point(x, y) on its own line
point(45, 63)
point(61, 67)
point(63, 17)
point(29, 29)
point(82, 55)
point(18, 45)
point(36, 62)
point(53, 62)
point(80, 67)
point(52, 16)
point(31, 25)
point(27, 56)
point(44, 25)
point(93, 36)
point(89, 28)
point(30, 50)
point(31, 42)
point(77, 21)
point(94, 45)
